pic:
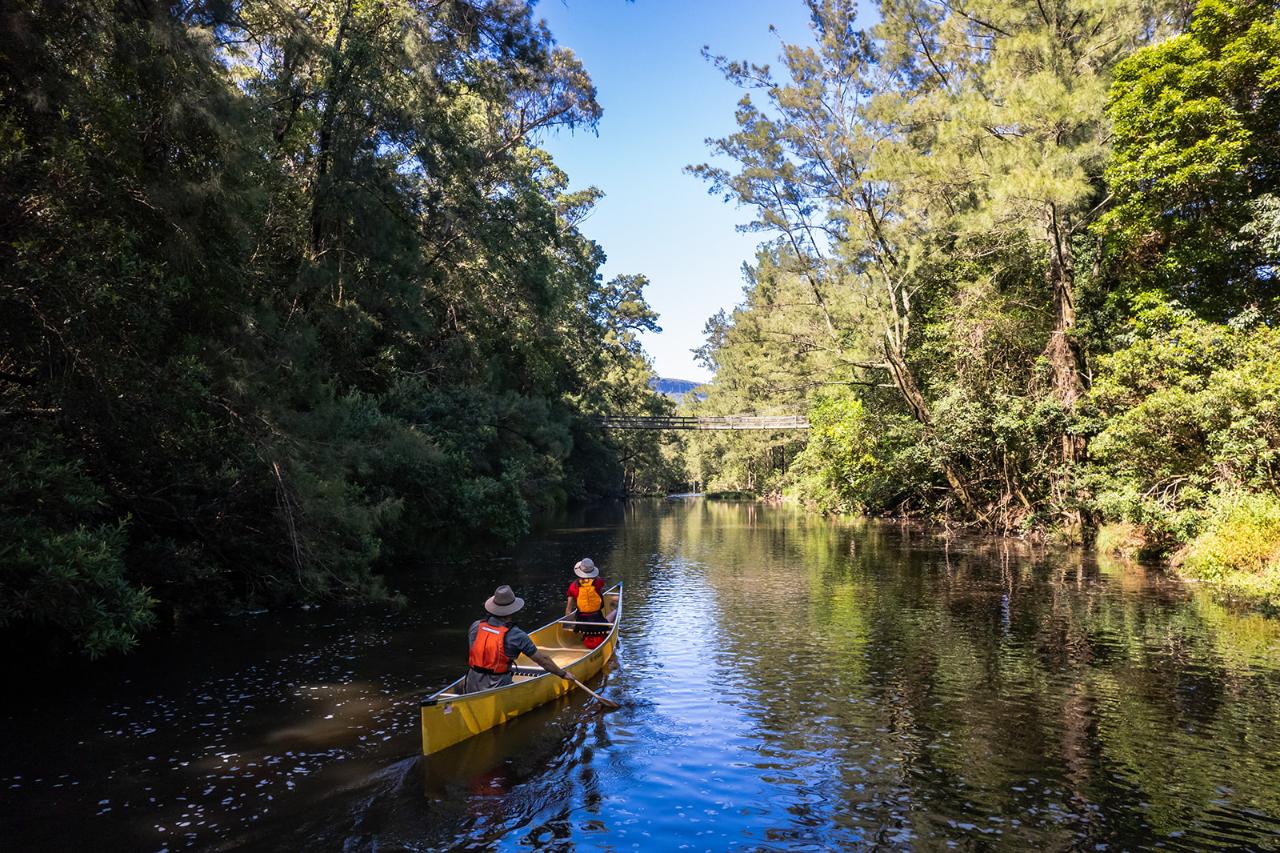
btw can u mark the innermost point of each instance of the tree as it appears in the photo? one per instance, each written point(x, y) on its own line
point(810, 170)
point(288, 293)
point(1006, 137)
point(1195, 172)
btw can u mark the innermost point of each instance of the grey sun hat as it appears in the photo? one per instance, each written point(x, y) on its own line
point(586, 569)
point(503, 602)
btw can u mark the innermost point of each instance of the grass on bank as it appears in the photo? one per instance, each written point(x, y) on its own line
point(1122, 540)
point(1238, 552)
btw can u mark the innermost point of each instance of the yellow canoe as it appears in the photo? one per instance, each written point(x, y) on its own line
point(449, 716)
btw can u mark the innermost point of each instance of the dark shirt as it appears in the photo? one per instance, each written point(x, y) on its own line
point(515, 642)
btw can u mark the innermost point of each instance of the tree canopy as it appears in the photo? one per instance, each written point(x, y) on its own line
point(289, 292)
point(1020, 266)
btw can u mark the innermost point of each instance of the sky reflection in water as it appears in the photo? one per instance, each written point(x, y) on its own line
point(789, 682)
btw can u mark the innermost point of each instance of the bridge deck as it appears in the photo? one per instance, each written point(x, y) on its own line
point(717, 422)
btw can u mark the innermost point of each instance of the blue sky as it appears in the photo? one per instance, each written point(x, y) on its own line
point(661, 101)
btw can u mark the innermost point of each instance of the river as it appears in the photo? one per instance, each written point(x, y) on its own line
point(788, 682)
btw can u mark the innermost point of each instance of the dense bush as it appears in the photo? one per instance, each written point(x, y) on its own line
point(285, 294)
point(1238, 550)
point(62, 553)
point(855, 461)
point(1188, 409)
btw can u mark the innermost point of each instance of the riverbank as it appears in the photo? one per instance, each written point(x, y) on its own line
point(1235, 552)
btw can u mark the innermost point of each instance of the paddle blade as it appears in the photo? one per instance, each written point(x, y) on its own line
point(608, 703)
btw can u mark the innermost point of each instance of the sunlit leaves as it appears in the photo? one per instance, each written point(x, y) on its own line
point(1195, 159)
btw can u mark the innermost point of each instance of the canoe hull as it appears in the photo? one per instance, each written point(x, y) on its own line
point(448, 719)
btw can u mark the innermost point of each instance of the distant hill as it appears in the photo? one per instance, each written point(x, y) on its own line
point(673, 388)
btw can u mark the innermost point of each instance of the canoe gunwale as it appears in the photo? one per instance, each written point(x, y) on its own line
point(605, 646)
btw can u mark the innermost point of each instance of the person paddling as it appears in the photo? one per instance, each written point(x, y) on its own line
point(587, 595)
point(496, 642)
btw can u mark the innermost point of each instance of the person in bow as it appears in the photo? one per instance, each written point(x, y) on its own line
point(588, 604)
point(496, 641)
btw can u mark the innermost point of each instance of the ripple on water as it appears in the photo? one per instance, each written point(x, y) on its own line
point(789, 683)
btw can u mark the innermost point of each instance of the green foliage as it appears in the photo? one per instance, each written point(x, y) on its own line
point(62, 554)
point(1121, 539)
point(858, 461)
point(1006, 446)
point(298, 293)
point(763, 364)
point(1238, 552)
point(982, 209)
point(1195, 170)
point(1187, 409)
point(931, 183)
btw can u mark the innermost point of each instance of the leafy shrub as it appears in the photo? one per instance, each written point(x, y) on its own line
point(1186, 409)
point(1238, 552)
point(62, 556)
point(1121, 539)
point(857, 461)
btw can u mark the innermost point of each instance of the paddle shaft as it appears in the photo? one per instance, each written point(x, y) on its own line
point(608, 703)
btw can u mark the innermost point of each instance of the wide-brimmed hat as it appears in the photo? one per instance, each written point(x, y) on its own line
point(503, 602)
point(586, 569)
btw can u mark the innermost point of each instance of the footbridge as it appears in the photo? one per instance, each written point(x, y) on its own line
point(710, 422)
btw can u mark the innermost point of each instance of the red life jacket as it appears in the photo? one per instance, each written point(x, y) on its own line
point(488, 652)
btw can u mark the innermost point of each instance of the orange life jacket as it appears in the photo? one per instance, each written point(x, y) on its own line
point(488, 651)
point(589, 598)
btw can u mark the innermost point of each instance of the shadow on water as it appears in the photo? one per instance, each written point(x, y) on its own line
point(481, 790)
point(789, 681)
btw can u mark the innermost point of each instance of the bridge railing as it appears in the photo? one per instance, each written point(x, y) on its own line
point(703, 423)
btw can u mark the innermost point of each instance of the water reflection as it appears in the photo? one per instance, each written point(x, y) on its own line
point(789, 681)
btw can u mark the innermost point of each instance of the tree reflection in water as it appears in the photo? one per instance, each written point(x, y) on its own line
point(788, 680)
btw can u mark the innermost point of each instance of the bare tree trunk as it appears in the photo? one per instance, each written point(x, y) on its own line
point(1064, 354)
point(905, 382)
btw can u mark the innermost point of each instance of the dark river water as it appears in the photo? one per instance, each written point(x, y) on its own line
point(788, 682)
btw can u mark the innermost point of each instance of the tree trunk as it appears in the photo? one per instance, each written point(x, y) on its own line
point(1064, 354)
point(334, 86)
point(284, 119)
point(905, 382)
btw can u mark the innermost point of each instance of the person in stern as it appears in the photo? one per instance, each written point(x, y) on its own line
point(496, 642)
point(593, 606)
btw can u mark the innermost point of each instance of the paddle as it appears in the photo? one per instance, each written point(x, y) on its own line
point(608, 703)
